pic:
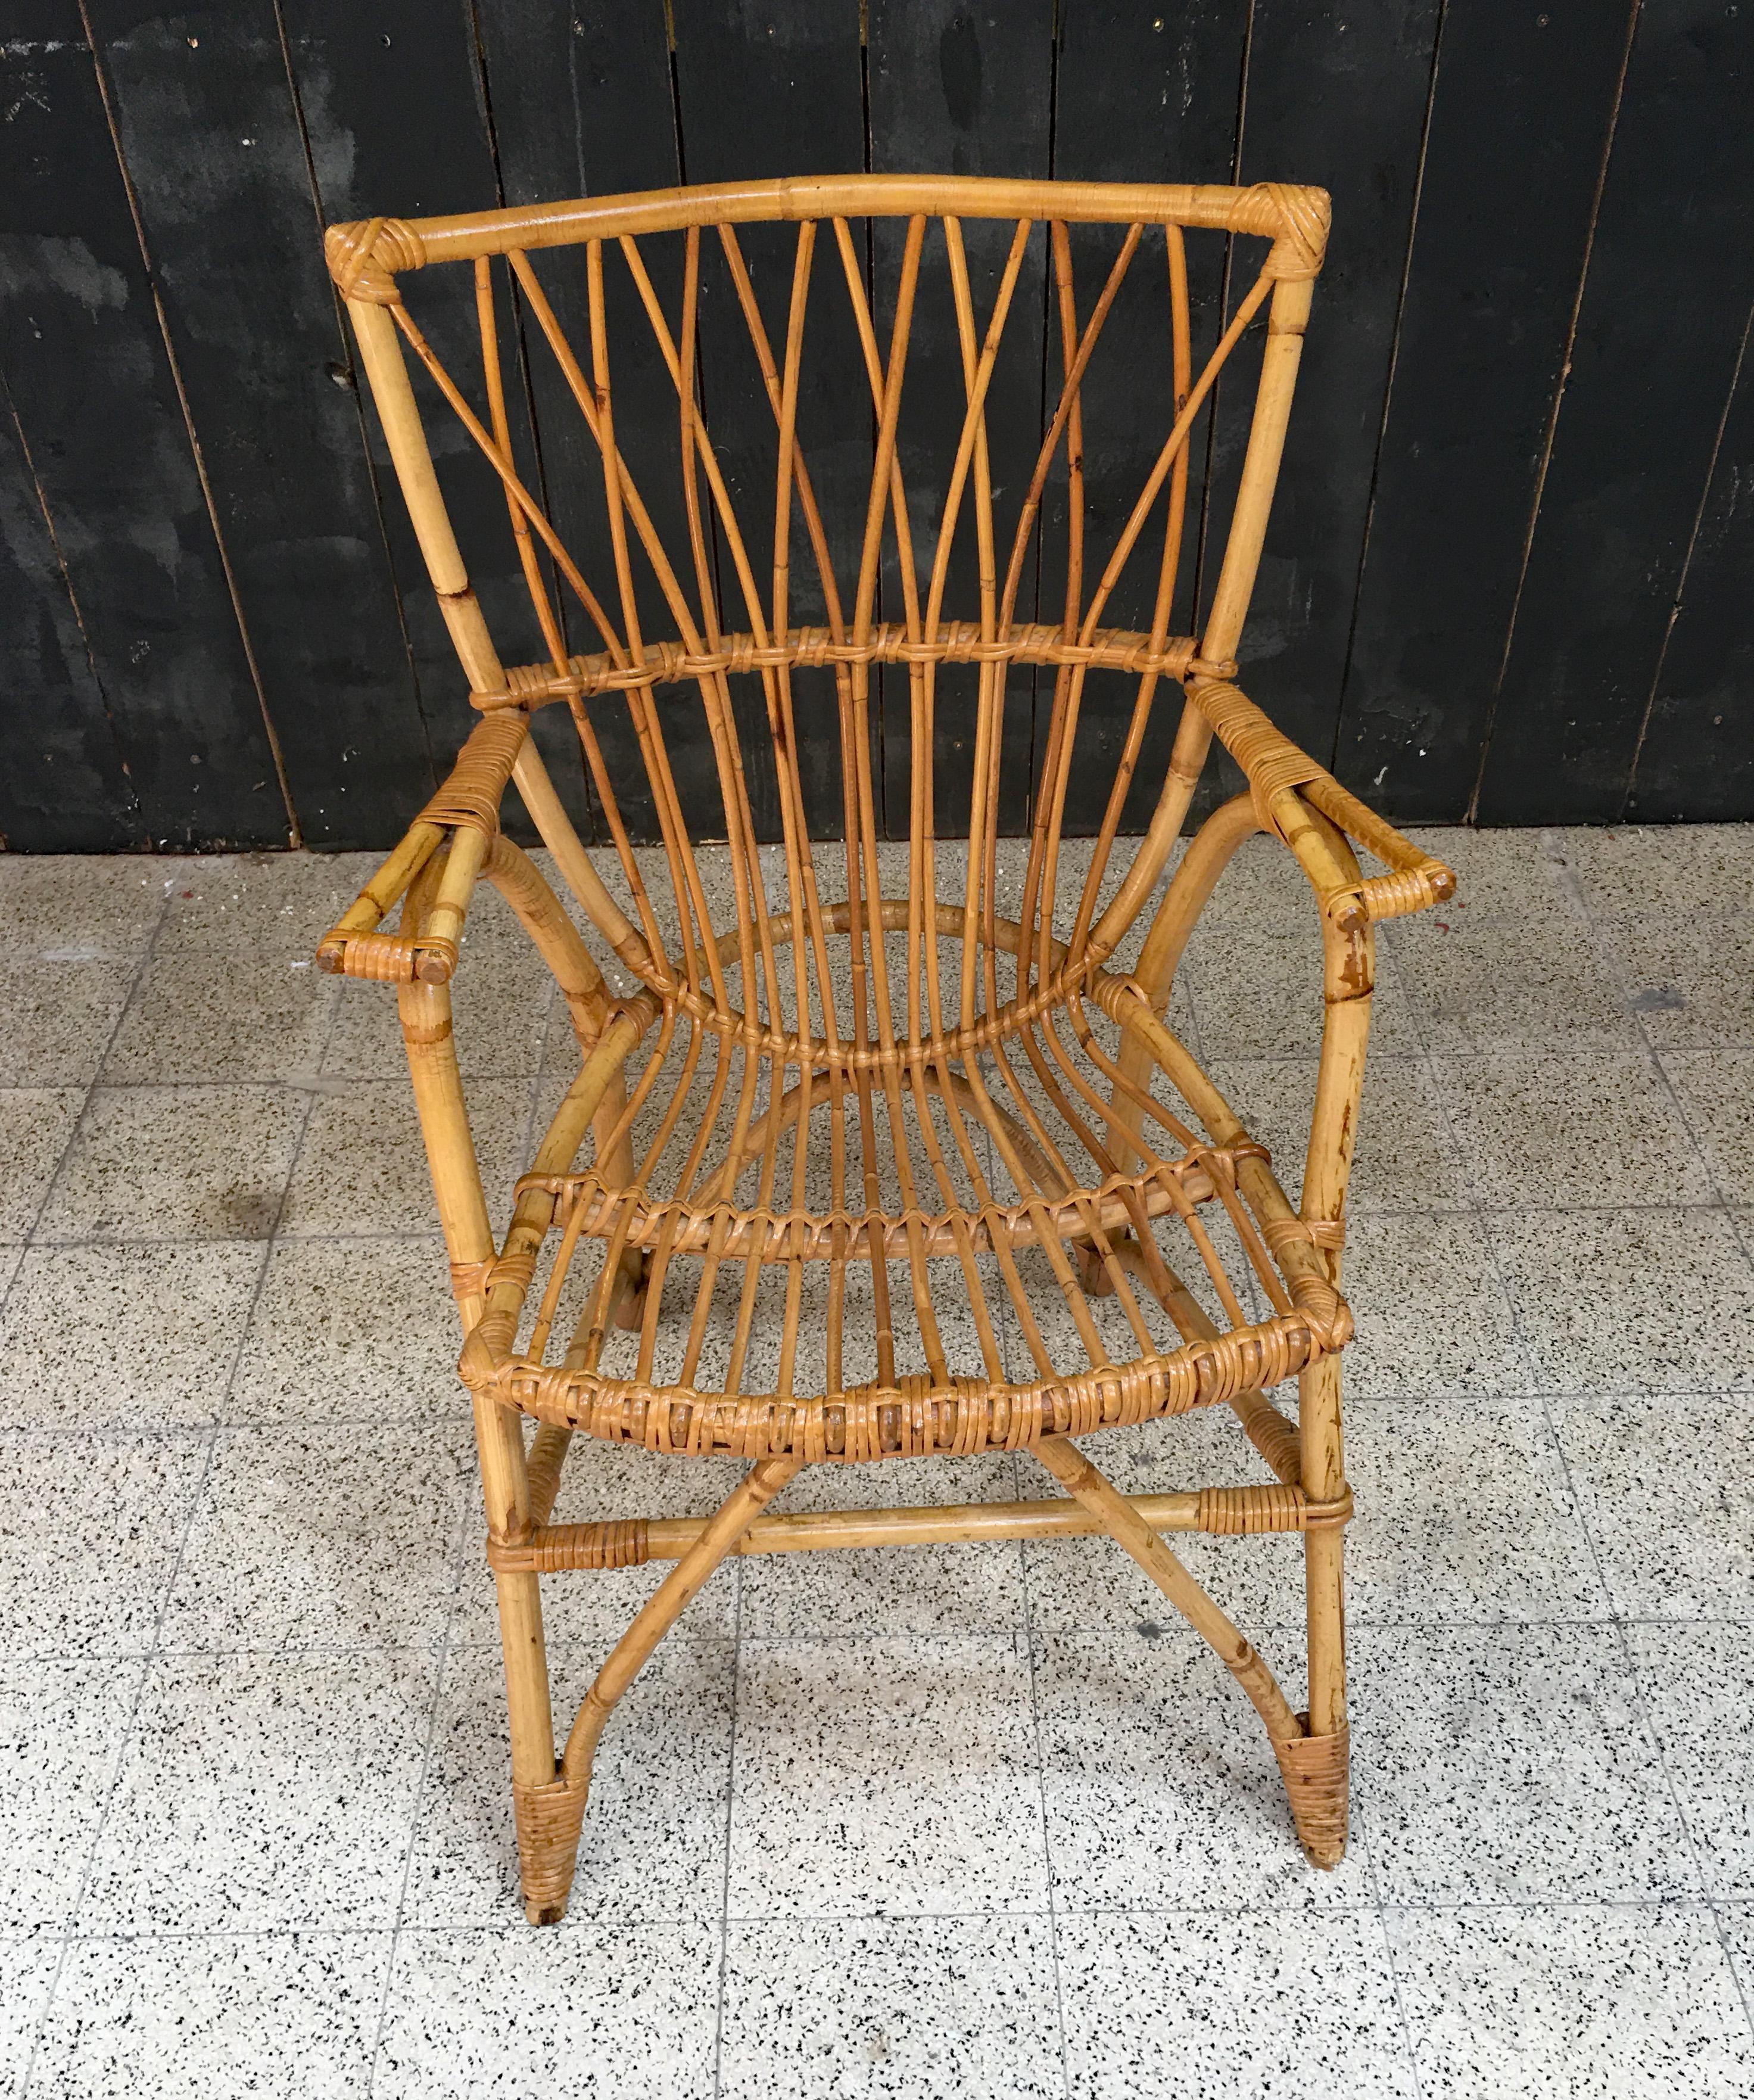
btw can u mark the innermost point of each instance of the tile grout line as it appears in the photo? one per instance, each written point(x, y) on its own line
point(1635, 1673)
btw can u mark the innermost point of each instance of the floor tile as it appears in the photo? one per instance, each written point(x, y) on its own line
point(1559, 2005)
point(130, 1335)
point(1541, 1130)
point(1500, 875)
point(51, 1801)
point(277, 906)
point(1695, 1680)
point(293, 2014)
point(1161, 1786)
point(885, 1775)
point(55, 901)
point(221, 1014)
point(1258, 993)
point(571, 2012)
point(352, 1330)
point(1687, 977)
point(937, 2007)
point(1656, 871)
point(1716, 1089)
point(28, 1961)
point(1464, 1513)
point(1407, 1159)
point(35, 1125)
point(363, 1167)
point(1666, 1490)
point(1501, 1764)
point(1652, 1301)
point(264, 1793)
point(59, 1013)
point(971, 1588)
point(1538, 981)
point(176, 1163)
point(1431, 1314)
point(322, 1537)
point(1217, 2006)
point(654, 1842)
point(89, 1529)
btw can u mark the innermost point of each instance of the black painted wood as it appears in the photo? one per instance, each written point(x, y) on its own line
point(781, 93)
point(1334, 99)
point(1490, 296)
point(968, 89)
point(210, 136)
point(1142, 95)
point(96, 403)
point(1670, 277)
point(1696, 760)
point(62, 787)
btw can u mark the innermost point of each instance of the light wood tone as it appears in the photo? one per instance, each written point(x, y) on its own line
point(847, 1174)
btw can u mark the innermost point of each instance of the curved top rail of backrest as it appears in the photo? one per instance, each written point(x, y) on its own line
point(365, 255)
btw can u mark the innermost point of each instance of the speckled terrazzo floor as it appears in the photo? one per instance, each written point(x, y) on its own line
point(975, 1823)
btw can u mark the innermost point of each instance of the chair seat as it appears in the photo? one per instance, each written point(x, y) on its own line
point(945, 1246)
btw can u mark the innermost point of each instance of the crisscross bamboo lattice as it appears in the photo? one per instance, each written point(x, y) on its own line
point(877, 1151)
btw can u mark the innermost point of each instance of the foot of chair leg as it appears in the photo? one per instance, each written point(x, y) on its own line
point(1315, 1769)
point(549, 1819)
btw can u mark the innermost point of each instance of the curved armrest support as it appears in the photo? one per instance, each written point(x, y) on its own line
point(1279, 775)
point(466, 810)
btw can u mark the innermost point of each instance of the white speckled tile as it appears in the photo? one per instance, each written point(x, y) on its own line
point(1509, 1764)
point(106, 902)
point(222, 1014)
point(292, 2014)
point(885, 1775)
point(28, 1961)
point(890, 1590)
point(61, 1009)
point(35, 1125)
point(1716, 1089)
point(279, 904)
point(362, 1166)
point(931, 2009)
point(1406, 1158)
point(1571, 2004)
point(352, 1330)
point(51, 1807)
point(1532, 980)
point(176, 1163)
point(1667, 1487)
point(653, 1845)
point(1431, 1314)
point(325, 1538)
point(1541, 1128)
point(262, 1792)
point(1694, 1681)
point(1217, 2005)
point(1228, 963)
point(573, 2010)
point(1630, 1301)
point(1662, 872)
point(128, 1335)
point(89, 1532)
point(1686, 978)
point(1162, 1787)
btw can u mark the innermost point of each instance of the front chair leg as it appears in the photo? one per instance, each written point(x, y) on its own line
point(549, 1804)
point(1316, 1768)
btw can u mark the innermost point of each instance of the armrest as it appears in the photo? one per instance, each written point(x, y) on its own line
point(1278, 774)
point(466, 810)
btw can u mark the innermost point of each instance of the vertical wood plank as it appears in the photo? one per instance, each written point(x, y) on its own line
point(962, 90)
point(1696, 763)
point(776, 93)
point(1143, 95)
point(1523, 105)
point(211, 139)
point(62, 787)
point(98, 405)
point(1339, 100)
point(1671, 272)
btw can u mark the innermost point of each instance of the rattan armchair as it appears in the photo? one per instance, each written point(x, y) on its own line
point(868, 1172)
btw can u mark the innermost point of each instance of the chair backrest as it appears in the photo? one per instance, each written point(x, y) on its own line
point(811, 482)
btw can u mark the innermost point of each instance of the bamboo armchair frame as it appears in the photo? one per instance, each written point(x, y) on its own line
point(842, 1090)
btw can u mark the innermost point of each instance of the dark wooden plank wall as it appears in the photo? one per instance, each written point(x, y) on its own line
point(1508, 577)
